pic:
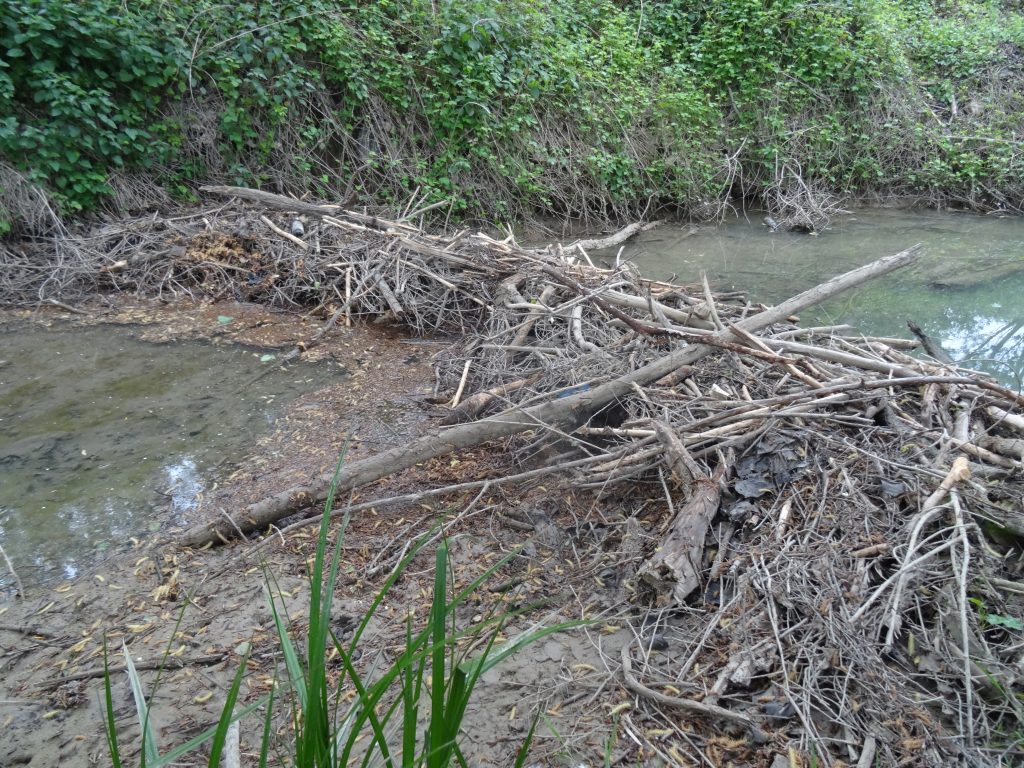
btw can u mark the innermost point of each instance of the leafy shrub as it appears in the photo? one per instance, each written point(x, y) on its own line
point(504, 108)
point(79, 87)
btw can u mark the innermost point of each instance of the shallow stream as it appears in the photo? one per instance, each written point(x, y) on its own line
point(967, 291)
point(104, 437)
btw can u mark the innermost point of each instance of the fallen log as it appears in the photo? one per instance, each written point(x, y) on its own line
point(563, 413)
point(674, 570)
point(282, 203)
point(599, 243)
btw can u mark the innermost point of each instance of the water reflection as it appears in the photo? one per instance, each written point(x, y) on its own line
point(105, 437)
point(988, 342)
point(965, 291)
point(184, 482)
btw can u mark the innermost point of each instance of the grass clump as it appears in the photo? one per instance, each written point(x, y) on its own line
point(407, 713)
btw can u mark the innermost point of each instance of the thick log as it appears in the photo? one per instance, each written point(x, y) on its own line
point(282, 203)
point(564, 413)
point(674, 569)
point(611, 241)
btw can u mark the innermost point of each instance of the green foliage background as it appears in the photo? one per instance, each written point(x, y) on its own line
point(508, 109)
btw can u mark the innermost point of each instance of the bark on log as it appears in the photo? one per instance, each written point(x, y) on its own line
point(674, 569)
point(599, 243)
point(685, 471)
point(282, 203)
point(676, 377)
point(561, 413)
point(474, 405)
point(689, 317)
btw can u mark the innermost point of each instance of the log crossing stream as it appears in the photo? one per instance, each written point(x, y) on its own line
point(965, 291)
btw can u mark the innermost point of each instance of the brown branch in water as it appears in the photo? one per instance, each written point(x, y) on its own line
point(933, 349)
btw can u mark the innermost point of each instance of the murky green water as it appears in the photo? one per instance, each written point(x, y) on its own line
point(967, 290)
point(103, 437)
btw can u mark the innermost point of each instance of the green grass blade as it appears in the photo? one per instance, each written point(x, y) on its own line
point(438, 625)
point(472, 587)
point(226, 715)
point(267, 726)
point(108, 699)
point(398, 570)
point(410, 699)
point(150, 747)
point(524, 748)
point(517, 644)
point(366, 702)
point(464, 677)
point(317, 744)
point(296, 675)
point(175, 754)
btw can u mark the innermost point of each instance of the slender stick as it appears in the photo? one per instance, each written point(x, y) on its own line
point(462, 383)
point(286, 235)
point(10, 567)
point(689, 705)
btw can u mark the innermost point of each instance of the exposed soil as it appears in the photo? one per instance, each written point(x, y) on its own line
point(203, 609)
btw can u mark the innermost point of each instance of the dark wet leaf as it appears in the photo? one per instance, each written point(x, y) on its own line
point(779, 710)
point(741, 511)
point(753, 487)
point(892, 489)
point(659, 643)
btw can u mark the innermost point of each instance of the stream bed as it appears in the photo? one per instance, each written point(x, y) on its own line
point(967, 290)
point(104, 437)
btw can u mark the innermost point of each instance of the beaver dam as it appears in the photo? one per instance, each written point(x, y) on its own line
point(807, 540)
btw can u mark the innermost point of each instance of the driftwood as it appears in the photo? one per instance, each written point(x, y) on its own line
point(562, 413)
point(929, 344)
point(675, 568)
point(837, 582)
point(600, 243)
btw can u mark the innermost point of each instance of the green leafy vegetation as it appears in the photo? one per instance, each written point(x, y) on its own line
point(505, 109)
point(408, 713)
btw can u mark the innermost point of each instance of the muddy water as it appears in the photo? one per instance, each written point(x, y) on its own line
point(104, 437)
point(967, 291)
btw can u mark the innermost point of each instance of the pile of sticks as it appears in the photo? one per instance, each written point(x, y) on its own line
point(842, 525)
